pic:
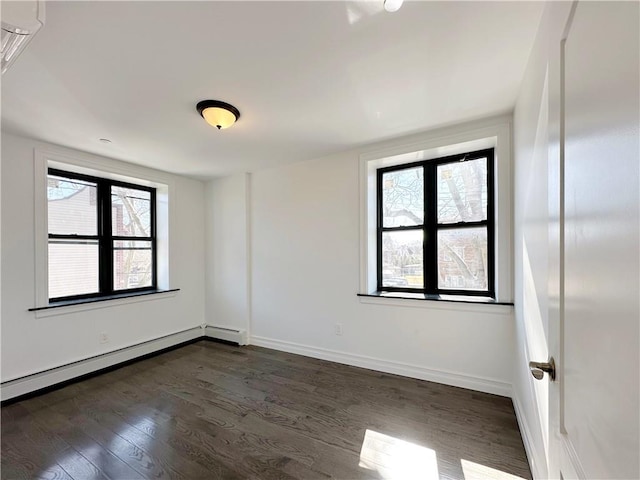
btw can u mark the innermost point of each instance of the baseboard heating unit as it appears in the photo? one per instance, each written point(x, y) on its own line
point(227, 334)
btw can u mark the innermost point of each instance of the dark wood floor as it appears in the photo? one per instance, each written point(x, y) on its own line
point(210, 410)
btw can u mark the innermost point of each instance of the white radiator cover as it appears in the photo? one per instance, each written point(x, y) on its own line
point(228, 334)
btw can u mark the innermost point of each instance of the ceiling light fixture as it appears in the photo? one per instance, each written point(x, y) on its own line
point(20, 22)
point(218, 114)
point(392, 5)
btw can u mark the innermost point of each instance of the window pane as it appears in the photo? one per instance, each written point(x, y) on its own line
point(462, 259)
point(403, 197)
point(130, 212)
point(72, 206)
point(462, 191)
point(132, 265)
point(402, 259)
point(73, 268)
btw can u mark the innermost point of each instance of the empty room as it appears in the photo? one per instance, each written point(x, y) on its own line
point(320, 239)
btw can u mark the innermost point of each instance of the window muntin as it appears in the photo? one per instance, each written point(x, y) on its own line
point(101, 236)
point(435, 227)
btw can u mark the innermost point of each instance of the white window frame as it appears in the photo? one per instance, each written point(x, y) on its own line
point(88, 164)
point(494, 133)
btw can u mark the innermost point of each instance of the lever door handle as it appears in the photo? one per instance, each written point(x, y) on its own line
point(538, 369)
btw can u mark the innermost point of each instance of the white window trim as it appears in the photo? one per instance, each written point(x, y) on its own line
point(85, 163)
point(493, 132)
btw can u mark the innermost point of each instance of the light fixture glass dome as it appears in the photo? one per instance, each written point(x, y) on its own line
point(392, 5)
point(218, 114)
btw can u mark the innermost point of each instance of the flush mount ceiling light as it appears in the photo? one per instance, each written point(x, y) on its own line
point(218, 114)
point(20, 22)
point(392, 5)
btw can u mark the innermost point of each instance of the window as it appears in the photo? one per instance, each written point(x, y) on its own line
point(102, 236)
point(435, 226)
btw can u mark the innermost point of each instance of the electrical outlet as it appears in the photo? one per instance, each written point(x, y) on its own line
point(338, 329)
point(104, 338)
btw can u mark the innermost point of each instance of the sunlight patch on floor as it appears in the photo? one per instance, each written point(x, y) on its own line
point(393, 458)
point(475, 471)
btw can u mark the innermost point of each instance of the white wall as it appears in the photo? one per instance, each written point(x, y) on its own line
point(32, 343)
point(536, 241)
point(227, 252)
point(305, 276)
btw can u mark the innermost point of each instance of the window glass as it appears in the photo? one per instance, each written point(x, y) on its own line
point(403, 197)
point(73, 267)
point(132, 264)
point(72, 206)
point(130, 212)
point(462, 259)
point(402, 253)
point(462, 191)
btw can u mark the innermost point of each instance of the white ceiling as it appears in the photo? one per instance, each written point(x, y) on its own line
point(309, 78)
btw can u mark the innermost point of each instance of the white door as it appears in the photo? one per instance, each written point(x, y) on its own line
point(594, 408)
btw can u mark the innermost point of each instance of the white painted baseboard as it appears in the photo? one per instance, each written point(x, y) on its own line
point(569, 460)
point(570, 463)
point(226, 333)
point(37, 381)
point(486, 385)
point(527, 439)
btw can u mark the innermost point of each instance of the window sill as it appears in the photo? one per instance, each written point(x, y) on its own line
point(71, 306)
point(442, 302)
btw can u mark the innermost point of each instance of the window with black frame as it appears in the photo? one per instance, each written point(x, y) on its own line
point(101, 236)
point(435, 227)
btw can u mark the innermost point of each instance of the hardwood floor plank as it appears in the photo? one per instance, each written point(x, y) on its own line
point(129, 453)
point(254, 402)
point(104, 412)
point(260, 433)
point(55, 472)
point(467, 421)
point(210, 410)
point(17, 463)
point(54, 449)
point(111, 466)
point(163, 434)
point(33, 458)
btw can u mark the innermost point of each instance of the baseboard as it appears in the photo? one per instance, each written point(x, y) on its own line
point(406, 370)
point(63, 374)
point(228, 334)
point(527, 440)
point(570, 461)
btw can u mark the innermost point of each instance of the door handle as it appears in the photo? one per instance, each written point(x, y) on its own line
point(539, 368)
